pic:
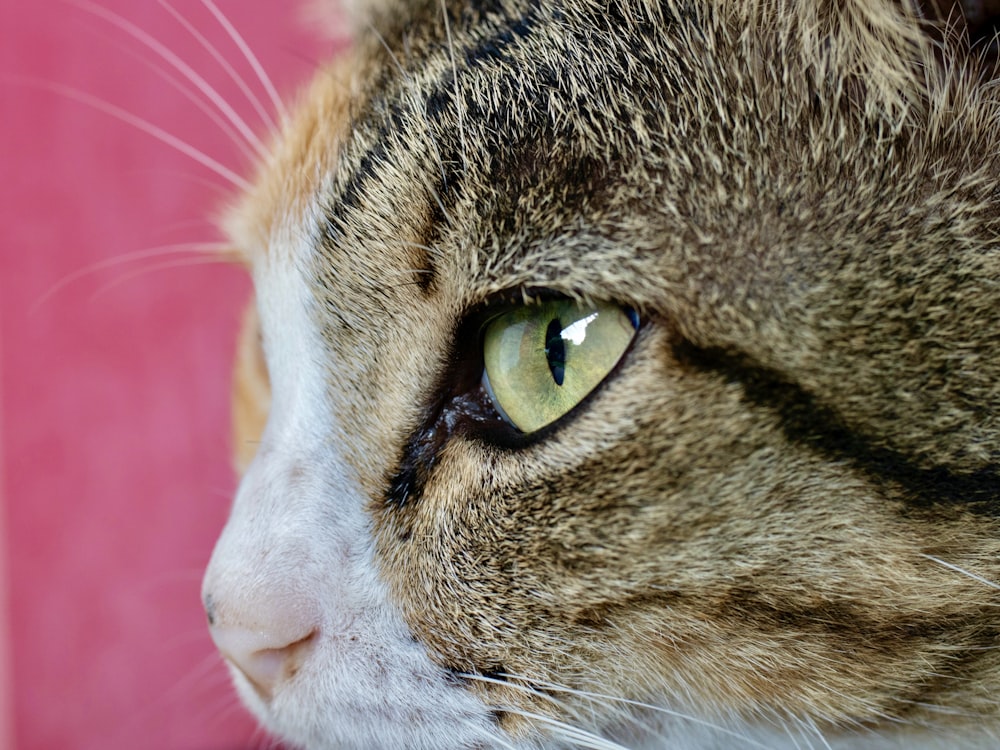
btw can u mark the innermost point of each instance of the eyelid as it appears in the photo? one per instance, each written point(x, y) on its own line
point(505, 331)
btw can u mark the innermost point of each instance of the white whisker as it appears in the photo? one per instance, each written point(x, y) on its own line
point(250, 57)
point(562, 730)
point(797, 729)
point(215, 187)
point(185, 263)
point(651, 707)
point(193, 248)
point(494, 740)
point(177, 63)
point(963, 571)
point(137, 122)
point(192, 96)
point(224, 64)
point(620, 714)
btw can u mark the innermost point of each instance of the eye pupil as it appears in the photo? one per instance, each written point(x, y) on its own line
point(542, 359)
point(555, 350)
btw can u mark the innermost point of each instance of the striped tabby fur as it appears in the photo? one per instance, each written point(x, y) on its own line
point(774, 525)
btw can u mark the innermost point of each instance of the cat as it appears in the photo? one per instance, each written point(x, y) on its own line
point(624, 374)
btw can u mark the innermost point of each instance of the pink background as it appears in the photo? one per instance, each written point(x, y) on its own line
point(114, 446)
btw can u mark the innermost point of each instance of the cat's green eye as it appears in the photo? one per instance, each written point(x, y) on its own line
point(543, 359)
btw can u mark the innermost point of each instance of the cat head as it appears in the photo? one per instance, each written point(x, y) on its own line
point(629, 371)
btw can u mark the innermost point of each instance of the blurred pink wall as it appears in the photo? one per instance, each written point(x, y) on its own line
point(114, 382)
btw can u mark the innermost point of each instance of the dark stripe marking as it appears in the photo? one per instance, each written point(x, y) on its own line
point(808, 422)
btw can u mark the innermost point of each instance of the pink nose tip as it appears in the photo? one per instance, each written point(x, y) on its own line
point(265, 659)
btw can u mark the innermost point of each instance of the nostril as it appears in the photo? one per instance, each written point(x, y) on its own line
point(261, 656)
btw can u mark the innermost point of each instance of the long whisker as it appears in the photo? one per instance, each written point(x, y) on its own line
point(177, 63)
point(962, 571)
point(250, 57)
point(579, 737)
point(192, 96)
point(493, 739)
point(224, 63)
point(797, 729)
point(213, 714)
point(621, 714)
point(648, 706)
point(180, 174)
point(404, 77)
point(194, 248)
point(185, 263)
point(137, 122)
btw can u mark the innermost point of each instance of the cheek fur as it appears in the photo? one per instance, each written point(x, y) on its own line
point(727, 566)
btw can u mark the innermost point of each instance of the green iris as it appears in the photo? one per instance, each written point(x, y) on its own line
point(541, 360)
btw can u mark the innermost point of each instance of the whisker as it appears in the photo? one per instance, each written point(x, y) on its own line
point(416, 102)
point(440, 162)
point(250, 57)
point(495, 740)
point(224, 64)
point(579, 737)
point(963, 571)
point(215, 187)
point(810, 724)
point(135, 121)
point(649, 706)
point(177, 63)
point(191, 95)
point(194, 248)
point(187, 262)
point(620, 714)
point(804, 729)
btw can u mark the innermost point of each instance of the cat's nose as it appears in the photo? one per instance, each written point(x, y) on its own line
point(265, 657)
point(266, 637)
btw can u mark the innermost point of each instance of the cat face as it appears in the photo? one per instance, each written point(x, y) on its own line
point(629, 372)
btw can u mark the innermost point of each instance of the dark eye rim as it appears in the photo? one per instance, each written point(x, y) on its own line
point(496, 430)
point(462, 408)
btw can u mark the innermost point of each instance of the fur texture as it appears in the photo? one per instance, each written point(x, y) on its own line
point(775, 524)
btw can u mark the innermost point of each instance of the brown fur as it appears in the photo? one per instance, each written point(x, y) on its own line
point(801, 199)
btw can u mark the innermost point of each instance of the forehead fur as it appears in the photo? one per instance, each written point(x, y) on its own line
point(784, 201)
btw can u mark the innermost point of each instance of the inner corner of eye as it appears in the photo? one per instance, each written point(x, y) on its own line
point(488, 387)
